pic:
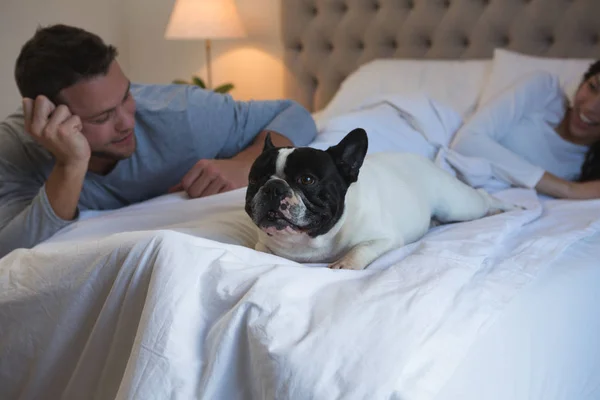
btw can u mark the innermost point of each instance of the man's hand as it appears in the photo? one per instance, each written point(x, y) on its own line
point(58, 131)
point(210, 177)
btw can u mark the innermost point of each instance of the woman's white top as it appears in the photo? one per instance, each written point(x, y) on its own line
point(515, 131)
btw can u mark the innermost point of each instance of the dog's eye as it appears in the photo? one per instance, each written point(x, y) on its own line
point(306, 180)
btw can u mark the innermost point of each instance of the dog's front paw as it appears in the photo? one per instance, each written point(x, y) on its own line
point(361, 255)
point(346, 263)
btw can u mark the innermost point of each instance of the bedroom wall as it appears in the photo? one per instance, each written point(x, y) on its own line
point(252, 64)
point(19, 19)
point(137, 27)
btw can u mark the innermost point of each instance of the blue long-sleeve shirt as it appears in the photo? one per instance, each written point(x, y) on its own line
point(176, 125)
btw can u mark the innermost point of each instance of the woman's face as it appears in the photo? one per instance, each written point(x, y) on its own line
point(584, 121)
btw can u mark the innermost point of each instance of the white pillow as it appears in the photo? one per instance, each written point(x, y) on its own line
point(509, 66)
point(455, 83)
point(397, 123)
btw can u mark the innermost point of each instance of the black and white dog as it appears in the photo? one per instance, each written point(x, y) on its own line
point(342, 208)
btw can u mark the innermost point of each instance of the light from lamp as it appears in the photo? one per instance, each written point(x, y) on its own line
point(204, 19)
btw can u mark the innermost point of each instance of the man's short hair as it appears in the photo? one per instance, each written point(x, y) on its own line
point(59, 56)
point(593, 69)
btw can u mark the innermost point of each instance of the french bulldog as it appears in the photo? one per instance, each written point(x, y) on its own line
point(344, 208)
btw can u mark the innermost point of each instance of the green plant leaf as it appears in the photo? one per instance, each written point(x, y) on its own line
point(224, 88)
point(198, 82)
point(181, 82)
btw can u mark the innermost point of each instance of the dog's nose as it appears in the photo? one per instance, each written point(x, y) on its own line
point(276, 189)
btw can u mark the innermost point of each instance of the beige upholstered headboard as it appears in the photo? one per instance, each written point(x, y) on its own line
point(325, 40)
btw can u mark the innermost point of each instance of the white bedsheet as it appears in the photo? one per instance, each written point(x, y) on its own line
point(164, 299)
point(166, 314)
point(545, 343)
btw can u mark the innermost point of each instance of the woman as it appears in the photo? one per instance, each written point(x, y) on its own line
point(533, 138)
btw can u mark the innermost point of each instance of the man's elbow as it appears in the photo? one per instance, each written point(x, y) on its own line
point(305, 127)
point(16, 234)
point(9, 242)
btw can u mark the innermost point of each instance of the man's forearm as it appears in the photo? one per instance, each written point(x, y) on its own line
point(296, 123)
point(63, 189)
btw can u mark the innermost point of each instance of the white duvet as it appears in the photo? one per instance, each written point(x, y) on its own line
point(143, 303)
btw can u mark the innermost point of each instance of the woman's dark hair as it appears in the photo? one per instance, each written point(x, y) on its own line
point(590, 170)
point(59, 56)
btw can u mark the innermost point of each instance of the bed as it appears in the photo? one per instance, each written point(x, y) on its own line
point(167, 298)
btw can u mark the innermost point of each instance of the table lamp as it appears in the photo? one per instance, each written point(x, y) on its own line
point(205, 19)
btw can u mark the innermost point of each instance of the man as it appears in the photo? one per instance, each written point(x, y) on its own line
point(89, 139)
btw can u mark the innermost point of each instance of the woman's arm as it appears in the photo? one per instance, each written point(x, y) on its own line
point(554, 186)
point(482, 135)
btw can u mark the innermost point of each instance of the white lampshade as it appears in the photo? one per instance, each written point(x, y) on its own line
point(204, 19)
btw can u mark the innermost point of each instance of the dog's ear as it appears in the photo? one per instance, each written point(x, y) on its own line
point(268, 143)
point(349, 154)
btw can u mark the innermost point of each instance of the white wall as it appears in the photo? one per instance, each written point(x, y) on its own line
point(20, 18)
point(252, 64)
point(136, 27)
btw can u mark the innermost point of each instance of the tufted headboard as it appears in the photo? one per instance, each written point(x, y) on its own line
point(326, 40)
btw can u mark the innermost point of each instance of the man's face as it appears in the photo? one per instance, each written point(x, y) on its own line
point(107, 112)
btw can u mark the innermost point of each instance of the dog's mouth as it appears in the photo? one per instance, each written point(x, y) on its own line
point(275, 218)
